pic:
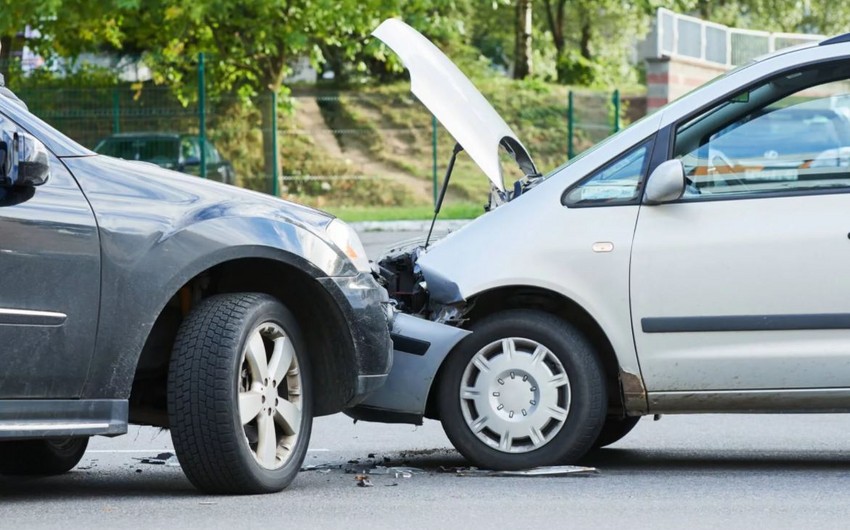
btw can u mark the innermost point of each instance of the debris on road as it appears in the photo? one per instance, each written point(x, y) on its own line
point(547, 471)
point(353, 467)
point(398, 472)
point(363, 481)
point(162, 459)
point(321, 468)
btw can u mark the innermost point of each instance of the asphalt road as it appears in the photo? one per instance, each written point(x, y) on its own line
point(741, 471)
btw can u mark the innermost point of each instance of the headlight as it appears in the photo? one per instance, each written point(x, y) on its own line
point(347, 240)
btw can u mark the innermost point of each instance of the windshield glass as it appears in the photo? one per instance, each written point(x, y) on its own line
point(160, 151)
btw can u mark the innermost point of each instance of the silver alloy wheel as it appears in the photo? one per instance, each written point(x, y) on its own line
point(515, 395)
point(270, 395)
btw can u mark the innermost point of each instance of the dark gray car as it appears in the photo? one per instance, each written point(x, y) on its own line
point(180, 152)
point(134, 294)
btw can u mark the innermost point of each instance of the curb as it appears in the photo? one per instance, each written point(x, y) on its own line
point(408, 226)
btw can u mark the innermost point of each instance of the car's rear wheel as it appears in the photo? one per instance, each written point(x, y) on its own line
point(614, 429)
point(41, 457)
point(239, 400)
point(525, 389)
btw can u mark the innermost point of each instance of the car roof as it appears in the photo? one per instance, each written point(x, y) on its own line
point(132, 135)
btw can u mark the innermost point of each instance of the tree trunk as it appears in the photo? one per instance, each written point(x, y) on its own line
point(555, 18)
point(704, 7)
point(584, 39)
point(5, 54)
point(522, 55)
point(268, 112)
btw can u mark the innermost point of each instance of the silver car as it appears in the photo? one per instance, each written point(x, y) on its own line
point(681, 266)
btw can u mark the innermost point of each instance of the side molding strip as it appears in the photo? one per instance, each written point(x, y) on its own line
point(28, 317)
point(745, 323)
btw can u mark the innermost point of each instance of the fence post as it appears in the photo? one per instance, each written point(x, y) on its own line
point(434, 156)
point(202, 115)
point(116, 109)
point(570, 130)
point(615, 99)
point(275, 169)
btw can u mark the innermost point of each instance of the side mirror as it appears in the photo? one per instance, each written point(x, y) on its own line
point(23, 160)
point(192, 161)
point(666, 183)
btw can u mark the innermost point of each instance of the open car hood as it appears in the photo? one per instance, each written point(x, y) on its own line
point(455, 101)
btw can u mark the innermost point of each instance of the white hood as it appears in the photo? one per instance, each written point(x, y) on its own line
point(455, 101)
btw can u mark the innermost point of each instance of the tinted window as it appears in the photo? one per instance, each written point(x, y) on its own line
point(162, 151)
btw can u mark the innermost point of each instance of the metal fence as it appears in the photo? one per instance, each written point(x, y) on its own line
point(676, 35)
point(365, 146)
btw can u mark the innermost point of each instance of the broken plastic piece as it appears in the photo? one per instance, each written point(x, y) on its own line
point(547, 471)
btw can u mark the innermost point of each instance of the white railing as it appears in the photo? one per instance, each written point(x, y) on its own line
point(675, 35)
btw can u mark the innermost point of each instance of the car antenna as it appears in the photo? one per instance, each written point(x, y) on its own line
point(458, 148)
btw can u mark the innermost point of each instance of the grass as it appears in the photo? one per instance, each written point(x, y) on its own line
point(405, 213)
point(395, 129)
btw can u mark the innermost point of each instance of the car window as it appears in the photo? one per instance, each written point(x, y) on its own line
point(160, 151)
point(211, 154)
point(790, 134)
point(616, 183)
point(189, 149)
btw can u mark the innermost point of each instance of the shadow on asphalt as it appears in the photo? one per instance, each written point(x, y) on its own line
point(636, 462)
point(643, 461)
point(79, 484)
point(744, 461)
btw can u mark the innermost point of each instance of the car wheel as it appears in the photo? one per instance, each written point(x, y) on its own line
point(614, 429)
point(41, 457)
point(525, 389)
point(239, 399)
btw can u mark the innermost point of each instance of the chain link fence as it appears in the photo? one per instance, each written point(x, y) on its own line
point(358, 147)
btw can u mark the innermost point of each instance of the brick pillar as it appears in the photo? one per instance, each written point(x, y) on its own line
point(669, 78)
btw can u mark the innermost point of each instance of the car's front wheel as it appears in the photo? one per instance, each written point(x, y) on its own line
point(525, 389)
point(239, 400)
point(41, 457)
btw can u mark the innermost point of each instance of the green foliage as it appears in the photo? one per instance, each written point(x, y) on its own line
point(405, 213)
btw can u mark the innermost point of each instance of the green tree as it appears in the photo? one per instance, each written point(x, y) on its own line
point(66, 27)
point(250, 44)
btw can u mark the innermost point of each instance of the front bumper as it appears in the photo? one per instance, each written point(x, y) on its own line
point(366, 308)
point(421, 346)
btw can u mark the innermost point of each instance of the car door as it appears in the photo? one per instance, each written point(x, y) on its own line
point(743, 284)
point(49, 286)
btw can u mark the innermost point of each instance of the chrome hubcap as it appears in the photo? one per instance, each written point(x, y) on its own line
point(515, 395)
point(270, 395)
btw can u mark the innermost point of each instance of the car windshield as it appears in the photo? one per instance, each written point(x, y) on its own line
point(160, 151)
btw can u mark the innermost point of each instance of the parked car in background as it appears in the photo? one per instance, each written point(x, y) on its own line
point(696, 262)
point(180, 152)
point(134, 294)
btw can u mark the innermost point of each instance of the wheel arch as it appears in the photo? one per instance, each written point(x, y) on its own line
point(530, 297)
point(295, 285)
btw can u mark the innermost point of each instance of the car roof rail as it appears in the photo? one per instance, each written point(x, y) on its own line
point(836, 40)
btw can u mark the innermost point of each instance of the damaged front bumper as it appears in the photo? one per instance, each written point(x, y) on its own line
point(368, 313)
point(420, 346)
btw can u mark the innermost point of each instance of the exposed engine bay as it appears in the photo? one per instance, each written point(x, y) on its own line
point(401, 275)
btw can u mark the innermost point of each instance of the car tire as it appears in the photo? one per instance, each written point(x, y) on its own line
point(239, 395)
point(41, 457)
point(614, 429)
point(524, 390)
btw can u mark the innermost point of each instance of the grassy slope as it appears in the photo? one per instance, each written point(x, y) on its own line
point(390, 125)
